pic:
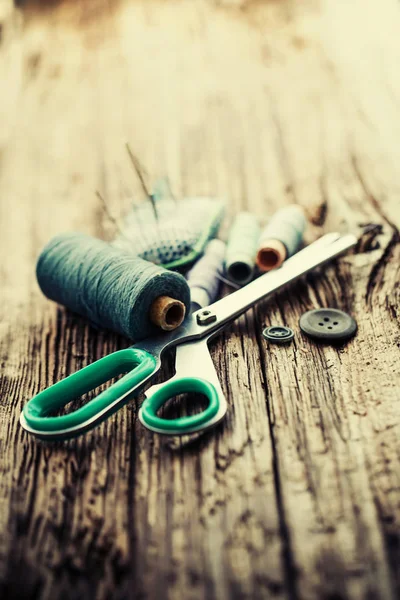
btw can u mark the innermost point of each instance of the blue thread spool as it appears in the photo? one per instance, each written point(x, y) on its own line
point(203, 278)
point(114, 290)
point(242, 248)
point(281, 238)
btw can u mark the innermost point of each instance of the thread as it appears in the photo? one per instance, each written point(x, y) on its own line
point(242, 248)
point(203, 278)
point(112, 289)
point(281, 238)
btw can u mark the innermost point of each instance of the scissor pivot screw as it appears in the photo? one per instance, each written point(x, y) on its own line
point(206, 317)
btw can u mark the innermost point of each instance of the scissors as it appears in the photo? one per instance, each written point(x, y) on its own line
point(194, 369)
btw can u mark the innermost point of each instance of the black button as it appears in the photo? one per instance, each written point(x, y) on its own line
point(278, 334)
point(328, 324)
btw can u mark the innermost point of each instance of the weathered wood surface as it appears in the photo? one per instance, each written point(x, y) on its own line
point(297, 494)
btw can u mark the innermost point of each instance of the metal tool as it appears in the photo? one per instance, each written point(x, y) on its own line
point(195, 371)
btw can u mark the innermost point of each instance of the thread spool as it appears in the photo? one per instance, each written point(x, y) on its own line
point(281, 238)
point(112, 289)
point(203, 277)
point(242, 248)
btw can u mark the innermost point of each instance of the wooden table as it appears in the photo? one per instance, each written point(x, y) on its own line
point(296, 495)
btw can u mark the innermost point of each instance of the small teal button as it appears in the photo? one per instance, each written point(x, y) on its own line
point(278, 334)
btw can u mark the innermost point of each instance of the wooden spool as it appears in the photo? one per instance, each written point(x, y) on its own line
point(167, 313)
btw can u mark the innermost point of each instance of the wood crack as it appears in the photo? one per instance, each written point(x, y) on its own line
point(287, 551)
point(382, 263)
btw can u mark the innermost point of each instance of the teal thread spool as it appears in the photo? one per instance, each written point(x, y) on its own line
point(114, 290)
point(242, 248)
point(281, 238)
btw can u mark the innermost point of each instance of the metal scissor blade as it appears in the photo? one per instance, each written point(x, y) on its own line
point(191, 359)
point(314, 255)
point(230, 307)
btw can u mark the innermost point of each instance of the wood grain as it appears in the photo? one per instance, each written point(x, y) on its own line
point(297, 494)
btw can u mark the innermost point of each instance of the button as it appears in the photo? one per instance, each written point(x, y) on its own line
point(278, 334)
point(328, 324)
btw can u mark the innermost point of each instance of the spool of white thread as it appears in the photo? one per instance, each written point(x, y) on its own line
point(281, 238)
point(203, 278)
point(242, 248)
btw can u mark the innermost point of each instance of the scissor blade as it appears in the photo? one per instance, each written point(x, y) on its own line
point(230, 307)
point(316, 254)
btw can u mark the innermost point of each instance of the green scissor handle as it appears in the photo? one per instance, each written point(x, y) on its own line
point(148, 412)
point(138, 366)
point(191, 358)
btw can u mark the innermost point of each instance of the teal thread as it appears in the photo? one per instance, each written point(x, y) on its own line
point(112, 289)
point(242, 248)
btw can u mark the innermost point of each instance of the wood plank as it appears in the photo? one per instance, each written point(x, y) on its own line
point(297, 494)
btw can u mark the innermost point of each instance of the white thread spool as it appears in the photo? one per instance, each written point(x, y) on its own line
point(242, 248)
point(281, 238)
point(203, 278)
